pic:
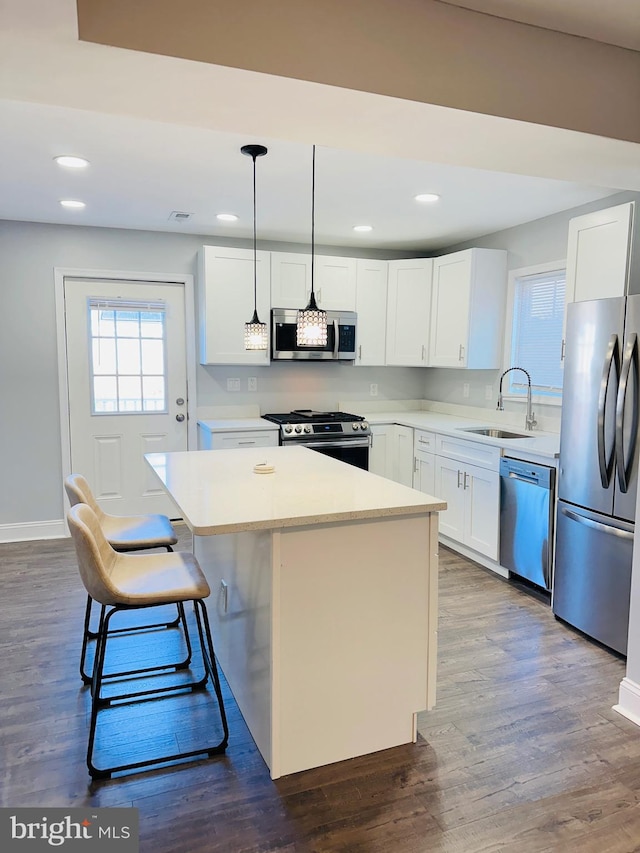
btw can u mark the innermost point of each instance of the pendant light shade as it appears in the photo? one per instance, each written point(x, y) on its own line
point(255, 332)
point(311, 322)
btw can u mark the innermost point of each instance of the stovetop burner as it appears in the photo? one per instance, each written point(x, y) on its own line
point(309, 416)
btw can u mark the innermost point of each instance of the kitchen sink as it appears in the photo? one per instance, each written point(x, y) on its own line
point(493, 432)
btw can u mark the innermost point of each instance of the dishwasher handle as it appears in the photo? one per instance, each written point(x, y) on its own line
point(541, 476)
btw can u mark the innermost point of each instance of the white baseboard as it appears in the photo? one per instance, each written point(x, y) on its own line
point(28, 530)
point(629, 700)
point(474, 555)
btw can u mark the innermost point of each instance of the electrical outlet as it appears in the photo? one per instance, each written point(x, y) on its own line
point(252, 383)
point(488, 392)
point(373, 389)
point(465, 389)
point(233, 384)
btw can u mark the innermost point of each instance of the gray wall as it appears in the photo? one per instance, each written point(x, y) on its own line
point(532, 243)
point(30, 453)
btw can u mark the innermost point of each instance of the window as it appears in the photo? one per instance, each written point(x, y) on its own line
point(127, 348)
point(538, 295)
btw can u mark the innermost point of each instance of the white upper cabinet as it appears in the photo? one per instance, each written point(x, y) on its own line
point(408, 310)
point(290, 280)
point(226, 300)
point(467, 309)
point(371, 306)
point(334, 281)
point(598, 253)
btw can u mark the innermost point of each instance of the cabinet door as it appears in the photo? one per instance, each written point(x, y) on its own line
point(225, 289)
point(598, 253)
point(482, 510)
point(381, 451)
point(408, 311)
point(404, 455)
point(448, 487)
point(249, 438)
point(290, 280)
point(371, 307)
point(335, 283)
point(424, 472)
point(450, 302)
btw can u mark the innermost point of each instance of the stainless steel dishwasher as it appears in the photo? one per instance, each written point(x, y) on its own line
point(526, 520)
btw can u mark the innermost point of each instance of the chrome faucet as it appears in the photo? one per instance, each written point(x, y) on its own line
point(530, 420)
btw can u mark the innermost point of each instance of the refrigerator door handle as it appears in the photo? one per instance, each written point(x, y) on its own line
point(612, 357)
point(624, 468)
point(597, 525)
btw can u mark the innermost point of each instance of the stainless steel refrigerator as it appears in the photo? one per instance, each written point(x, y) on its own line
point(597, 479)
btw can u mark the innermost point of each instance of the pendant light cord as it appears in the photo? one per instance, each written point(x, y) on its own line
point(313, 223)
point(255, 252)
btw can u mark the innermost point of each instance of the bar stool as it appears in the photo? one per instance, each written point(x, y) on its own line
point(124, 533)
point(126, 582)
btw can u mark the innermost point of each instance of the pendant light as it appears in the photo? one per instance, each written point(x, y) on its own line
point(311, 325)
point(255, 332)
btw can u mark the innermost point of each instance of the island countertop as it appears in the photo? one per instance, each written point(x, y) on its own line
point(218, 491)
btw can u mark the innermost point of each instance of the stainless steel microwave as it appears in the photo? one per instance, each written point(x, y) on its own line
point(341, 337)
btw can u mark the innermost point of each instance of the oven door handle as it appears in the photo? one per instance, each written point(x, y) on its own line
point(345, 442)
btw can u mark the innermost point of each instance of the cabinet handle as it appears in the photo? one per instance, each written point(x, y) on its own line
point(459, 475)
point(466, 480)
point(461, 353)
point(360, 352)
point(423, 441)
point(415, 464)
point(249, 441)
point(423, 351)
point(562, 350)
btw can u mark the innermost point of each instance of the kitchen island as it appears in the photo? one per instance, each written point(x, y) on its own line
point(324, 597)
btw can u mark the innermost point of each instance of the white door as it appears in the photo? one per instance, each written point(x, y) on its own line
point(127, 387)
point(408, 312)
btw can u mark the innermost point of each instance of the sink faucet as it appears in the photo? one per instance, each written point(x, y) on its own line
point(530, 420)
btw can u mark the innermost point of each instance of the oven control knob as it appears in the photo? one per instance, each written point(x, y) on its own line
point(307, 427)
point(355, 426)
point(299, 428)
point(287, 428)
point(364, 425)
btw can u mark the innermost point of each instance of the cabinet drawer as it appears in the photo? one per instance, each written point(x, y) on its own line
point(424, 441)
point(231, 440)
point(485, 455)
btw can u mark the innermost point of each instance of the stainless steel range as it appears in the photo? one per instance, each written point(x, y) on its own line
point(337, 434)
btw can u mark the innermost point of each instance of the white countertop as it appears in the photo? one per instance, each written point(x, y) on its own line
point(543, 444)
point(218, 491)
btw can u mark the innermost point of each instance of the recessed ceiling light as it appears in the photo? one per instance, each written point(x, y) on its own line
point(363, 227)
point(227, 217)
point(427, 197)
point(72, 162)
point(73, 203)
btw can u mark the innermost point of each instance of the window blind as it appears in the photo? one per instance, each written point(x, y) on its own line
point(538, 316)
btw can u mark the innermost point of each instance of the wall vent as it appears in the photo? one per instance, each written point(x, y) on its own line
point(180, 216)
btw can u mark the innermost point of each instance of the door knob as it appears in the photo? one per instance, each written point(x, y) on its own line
point(180, 401)
point(180, 418)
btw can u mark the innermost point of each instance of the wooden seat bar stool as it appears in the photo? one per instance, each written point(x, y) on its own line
point(124, 533)
point(124, 582)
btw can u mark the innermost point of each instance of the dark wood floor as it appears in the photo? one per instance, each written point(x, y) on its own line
point(523, 752)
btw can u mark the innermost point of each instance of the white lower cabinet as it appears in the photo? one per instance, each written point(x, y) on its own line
point(472, 493)
point(391, 452)
point(218, 440)
point(424, 461)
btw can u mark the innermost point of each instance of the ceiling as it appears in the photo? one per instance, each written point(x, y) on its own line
point(143, 168)
point(612, 21)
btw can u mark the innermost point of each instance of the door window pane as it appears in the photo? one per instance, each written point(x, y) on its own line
point(128, 357)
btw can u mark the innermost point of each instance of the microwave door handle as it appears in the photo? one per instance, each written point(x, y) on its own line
point(624, 468)
point(612, 357)
point(336, 339)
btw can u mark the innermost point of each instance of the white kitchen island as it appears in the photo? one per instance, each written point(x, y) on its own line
point(324, 599)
